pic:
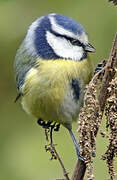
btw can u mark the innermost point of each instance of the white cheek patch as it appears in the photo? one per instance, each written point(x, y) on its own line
point(63, 47)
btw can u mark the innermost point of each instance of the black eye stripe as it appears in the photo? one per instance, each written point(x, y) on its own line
point(74, 42)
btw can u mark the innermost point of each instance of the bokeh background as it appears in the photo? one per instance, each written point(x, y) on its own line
point(22, 154)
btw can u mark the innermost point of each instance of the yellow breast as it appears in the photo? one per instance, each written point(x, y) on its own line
point(46, 86)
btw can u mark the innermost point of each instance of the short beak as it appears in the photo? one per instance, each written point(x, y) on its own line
point(89, 48)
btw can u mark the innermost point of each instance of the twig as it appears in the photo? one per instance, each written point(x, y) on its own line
point(54, 155)
point(60, 162)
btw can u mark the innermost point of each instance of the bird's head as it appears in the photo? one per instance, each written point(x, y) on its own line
point(55, 36)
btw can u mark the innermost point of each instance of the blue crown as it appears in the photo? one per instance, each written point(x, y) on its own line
point(69, 24)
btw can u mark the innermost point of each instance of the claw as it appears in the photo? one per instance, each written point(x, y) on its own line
point(57, 127)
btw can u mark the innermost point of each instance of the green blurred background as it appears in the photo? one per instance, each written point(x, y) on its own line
point(22, 154)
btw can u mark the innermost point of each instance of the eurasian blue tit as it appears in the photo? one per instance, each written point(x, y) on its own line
point(52, 67)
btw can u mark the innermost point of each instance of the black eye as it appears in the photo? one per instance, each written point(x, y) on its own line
point(75, 42)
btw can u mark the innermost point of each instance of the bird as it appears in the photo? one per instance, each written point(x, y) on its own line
point(52, 68)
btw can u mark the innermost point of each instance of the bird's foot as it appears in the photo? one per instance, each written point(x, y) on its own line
point(78, 151)
point(44, 124)
point(49, 124)
point(99, 68)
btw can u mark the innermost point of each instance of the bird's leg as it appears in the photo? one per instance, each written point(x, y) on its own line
point(51, 131)
point(78, 150)
point(47, 131)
